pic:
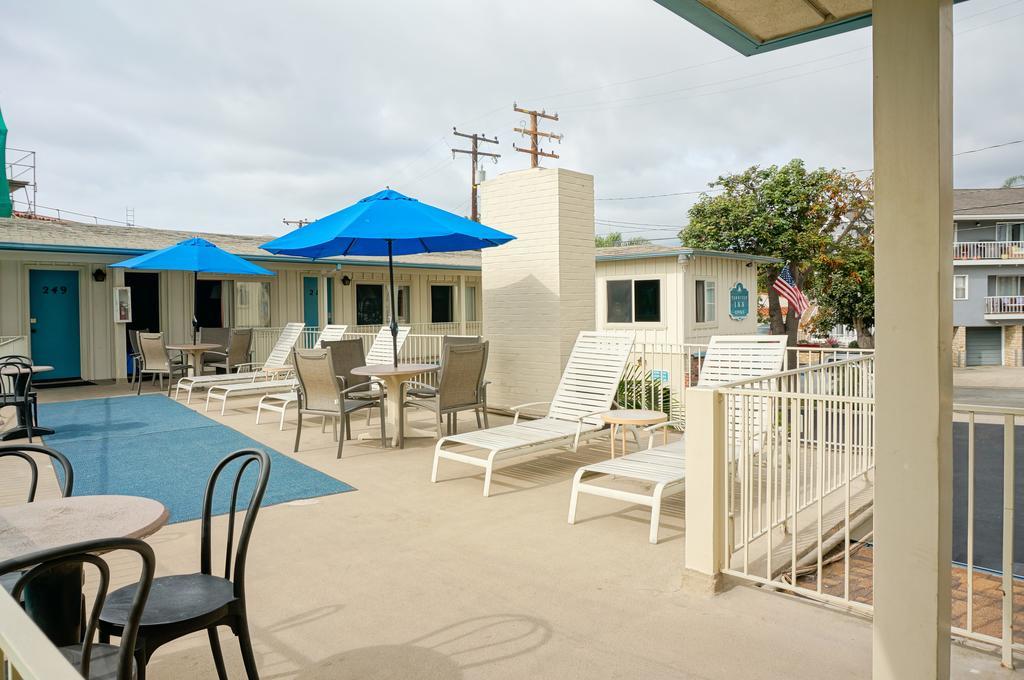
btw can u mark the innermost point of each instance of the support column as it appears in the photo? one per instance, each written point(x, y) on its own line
point(538, 290)
point(913, 111)
point(705, 490)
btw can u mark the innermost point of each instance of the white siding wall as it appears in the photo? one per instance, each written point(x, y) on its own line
point(103, 341)
point(725, 273)
point(678, 293)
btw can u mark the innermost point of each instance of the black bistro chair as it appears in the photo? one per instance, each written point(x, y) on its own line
point(96, 661)
point(187, 603)
point(24, 451)
point(16, 389)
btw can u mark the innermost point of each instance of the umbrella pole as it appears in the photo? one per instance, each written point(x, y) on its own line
point(195, 306)
point(394, 307)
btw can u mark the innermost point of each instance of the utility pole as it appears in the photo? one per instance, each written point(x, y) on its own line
point(296, 223)
point(533, 133)
point(473, 152)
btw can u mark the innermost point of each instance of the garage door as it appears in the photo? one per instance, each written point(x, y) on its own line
point(984, 346)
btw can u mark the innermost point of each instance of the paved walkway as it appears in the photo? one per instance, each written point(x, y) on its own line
point(404, 579)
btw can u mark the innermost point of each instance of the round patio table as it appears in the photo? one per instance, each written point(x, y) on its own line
point(622, 419)
point(54, 600)
point(195, 350)
point(21, 430)
point(392, 377)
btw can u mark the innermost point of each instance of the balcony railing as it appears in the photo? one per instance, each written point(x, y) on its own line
point(988, 250)
point(799, 458)
point(977, 569)
point(1005, 304)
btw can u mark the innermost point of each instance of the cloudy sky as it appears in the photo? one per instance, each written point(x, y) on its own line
point(232, 116)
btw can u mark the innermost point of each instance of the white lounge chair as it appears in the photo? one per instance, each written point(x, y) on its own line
point(268, 383)
point(274, 364)
point(587, 389)
point(730, 358)
point(280, 402)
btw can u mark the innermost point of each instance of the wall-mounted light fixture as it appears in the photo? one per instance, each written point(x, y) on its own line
point(346, 280)
point(99, 276)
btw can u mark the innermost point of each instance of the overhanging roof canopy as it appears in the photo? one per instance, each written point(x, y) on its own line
point(754, 26)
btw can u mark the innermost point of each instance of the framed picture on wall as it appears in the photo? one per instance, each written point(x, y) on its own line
point(122, 305)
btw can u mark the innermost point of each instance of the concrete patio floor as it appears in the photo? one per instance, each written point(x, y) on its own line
point(407, 579)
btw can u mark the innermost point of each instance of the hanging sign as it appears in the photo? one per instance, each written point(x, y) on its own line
point(739, 302)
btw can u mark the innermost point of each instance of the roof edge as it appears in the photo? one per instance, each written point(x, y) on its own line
point(100, 250)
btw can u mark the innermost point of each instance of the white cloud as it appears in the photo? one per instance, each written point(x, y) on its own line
point(229, 117)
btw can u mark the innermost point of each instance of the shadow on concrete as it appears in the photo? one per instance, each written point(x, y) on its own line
point(444, 654)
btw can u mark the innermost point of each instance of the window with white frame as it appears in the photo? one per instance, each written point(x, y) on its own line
point(705, 307)
point(960, 287)
point(251, 304)
point(633, 301)
point(1005, 286)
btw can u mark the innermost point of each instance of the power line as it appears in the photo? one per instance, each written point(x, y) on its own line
point(674, 193)
point(855, 172)
point(639, 224)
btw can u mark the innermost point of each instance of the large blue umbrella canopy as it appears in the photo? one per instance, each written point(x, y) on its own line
point(194, 255)
point(387, 223)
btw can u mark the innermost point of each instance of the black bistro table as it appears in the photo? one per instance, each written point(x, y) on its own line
point(20, 431)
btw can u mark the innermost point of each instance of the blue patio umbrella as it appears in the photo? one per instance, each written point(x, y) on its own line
point(387, 223)
point(195, 255)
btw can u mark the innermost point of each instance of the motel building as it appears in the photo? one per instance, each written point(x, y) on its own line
point(62, 304)
point(988, 277)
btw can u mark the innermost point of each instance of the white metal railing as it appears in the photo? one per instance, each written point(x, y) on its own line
point(453, 328)
point(1005, 304)
point(989, 583)
point(988, 250)
point(658, 374)
point(799, 457)
point(25, 652)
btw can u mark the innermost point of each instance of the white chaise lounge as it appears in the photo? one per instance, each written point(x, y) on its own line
point(587, 389)
point(730, 358)
point(280, 402)
point(275, 363)
point(268, 382)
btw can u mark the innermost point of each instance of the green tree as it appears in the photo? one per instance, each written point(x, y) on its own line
point(1014, 181)
point(615, 239)
point(844, 288)
point(788, 212)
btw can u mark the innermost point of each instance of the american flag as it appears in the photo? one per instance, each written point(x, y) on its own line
point(786, 286)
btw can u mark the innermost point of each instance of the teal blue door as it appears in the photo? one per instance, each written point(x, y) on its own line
point(53, 320)
point(310, 302)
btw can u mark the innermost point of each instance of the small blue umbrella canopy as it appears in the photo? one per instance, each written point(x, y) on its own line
point(194, 255)
point(387, 223)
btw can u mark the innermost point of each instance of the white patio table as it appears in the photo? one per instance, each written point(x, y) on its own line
point(392, 377)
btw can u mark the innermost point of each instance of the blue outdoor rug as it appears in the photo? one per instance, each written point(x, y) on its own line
point(155, 447)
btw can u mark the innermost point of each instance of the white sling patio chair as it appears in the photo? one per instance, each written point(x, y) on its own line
point(587, 389)
point(380, 350)
point(279, 402)
point(275, 363)
point(730, 358)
